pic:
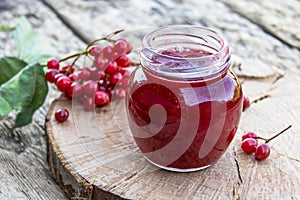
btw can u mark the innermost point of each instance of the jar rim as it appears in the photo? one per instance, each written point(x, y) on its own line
point(222, 41)
point(208, 53)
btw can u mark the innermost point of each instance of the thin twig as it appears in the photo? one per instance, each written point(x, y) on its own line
point(73, 55)
point(107, 38)
point(86, 51)
point(268, 140)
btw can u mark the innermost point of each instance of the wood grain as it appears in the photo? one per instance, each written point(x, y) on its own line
point(264, 13)
point(96, 148)
point(243, 22)
point(270, 35)
point(24, 172)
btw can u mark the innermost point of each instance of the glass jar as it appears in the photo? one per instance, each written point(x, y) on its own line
point(183, 102)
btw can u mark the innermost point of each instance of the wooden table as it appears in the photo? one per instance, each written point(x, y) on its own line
point(264, 35)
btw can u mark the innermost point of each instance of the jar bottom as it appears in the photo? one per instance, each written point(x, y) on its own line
point(177, 169)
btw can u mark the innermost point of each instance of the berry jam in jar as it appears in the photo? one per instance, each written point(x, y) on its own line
point(183, 102)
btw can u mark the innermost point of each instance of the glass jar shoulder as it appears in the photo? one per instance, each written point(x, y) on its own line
point(227, 88)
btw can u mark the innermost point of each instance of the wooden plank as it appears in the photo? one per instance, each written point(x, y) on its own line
point(23, 176)
point(93, 19)
point(24, 172)
point(272, 17)
point(97, 149)
point(247, 40)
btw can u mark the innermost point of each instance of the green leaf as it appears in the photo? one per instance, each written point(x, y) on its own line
point(31, 47)
point(25, 92)
point(5, 107)
point(10, 66)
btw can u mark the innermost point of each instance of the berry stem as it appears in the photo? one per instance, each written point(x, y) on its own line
point(268, 140)
point(86, 51)
point(73, 55)
point(107, 38)
point(261, 138)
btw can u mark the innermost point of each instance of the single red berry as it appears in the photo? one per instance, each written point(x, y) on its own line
point(100, 63)
point(95, 51)
point(127, 63)
point(61, 115)
point(77, 90)
point(90, 87)
point(101, 98)
point(84, 73)
point(108, 53)
point(50, 75)
point(123, 61)
point(262, 152)
point(63, 83)
point(249, 135)
point(115, 78)
point(246, 102)
point(249, 145)
point(120, 48)
point(128, 46)
point(112, 68)
point(53, 64)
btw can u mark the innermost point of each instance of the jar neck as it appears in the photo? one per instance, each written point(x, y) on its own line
point(185, 52)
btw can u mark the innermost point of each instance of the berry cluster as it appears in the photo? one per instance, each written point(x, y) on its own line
point(250, 144)
point(95, 85)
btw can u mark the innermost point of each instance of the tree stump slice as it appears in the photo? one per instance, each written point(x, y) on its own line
point(92, 155)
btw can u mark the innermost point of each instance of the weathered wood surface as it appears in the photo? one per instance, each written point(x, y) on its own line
point(277, 23)
point(24, 171)
point(255, 29)
point(94, 153)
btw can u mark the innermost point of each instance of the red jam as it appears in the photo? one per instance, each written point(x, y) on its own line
point(182, 122)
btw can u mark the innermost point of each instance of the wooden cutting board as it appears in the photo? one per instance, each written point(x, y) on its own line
point(93, 156)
